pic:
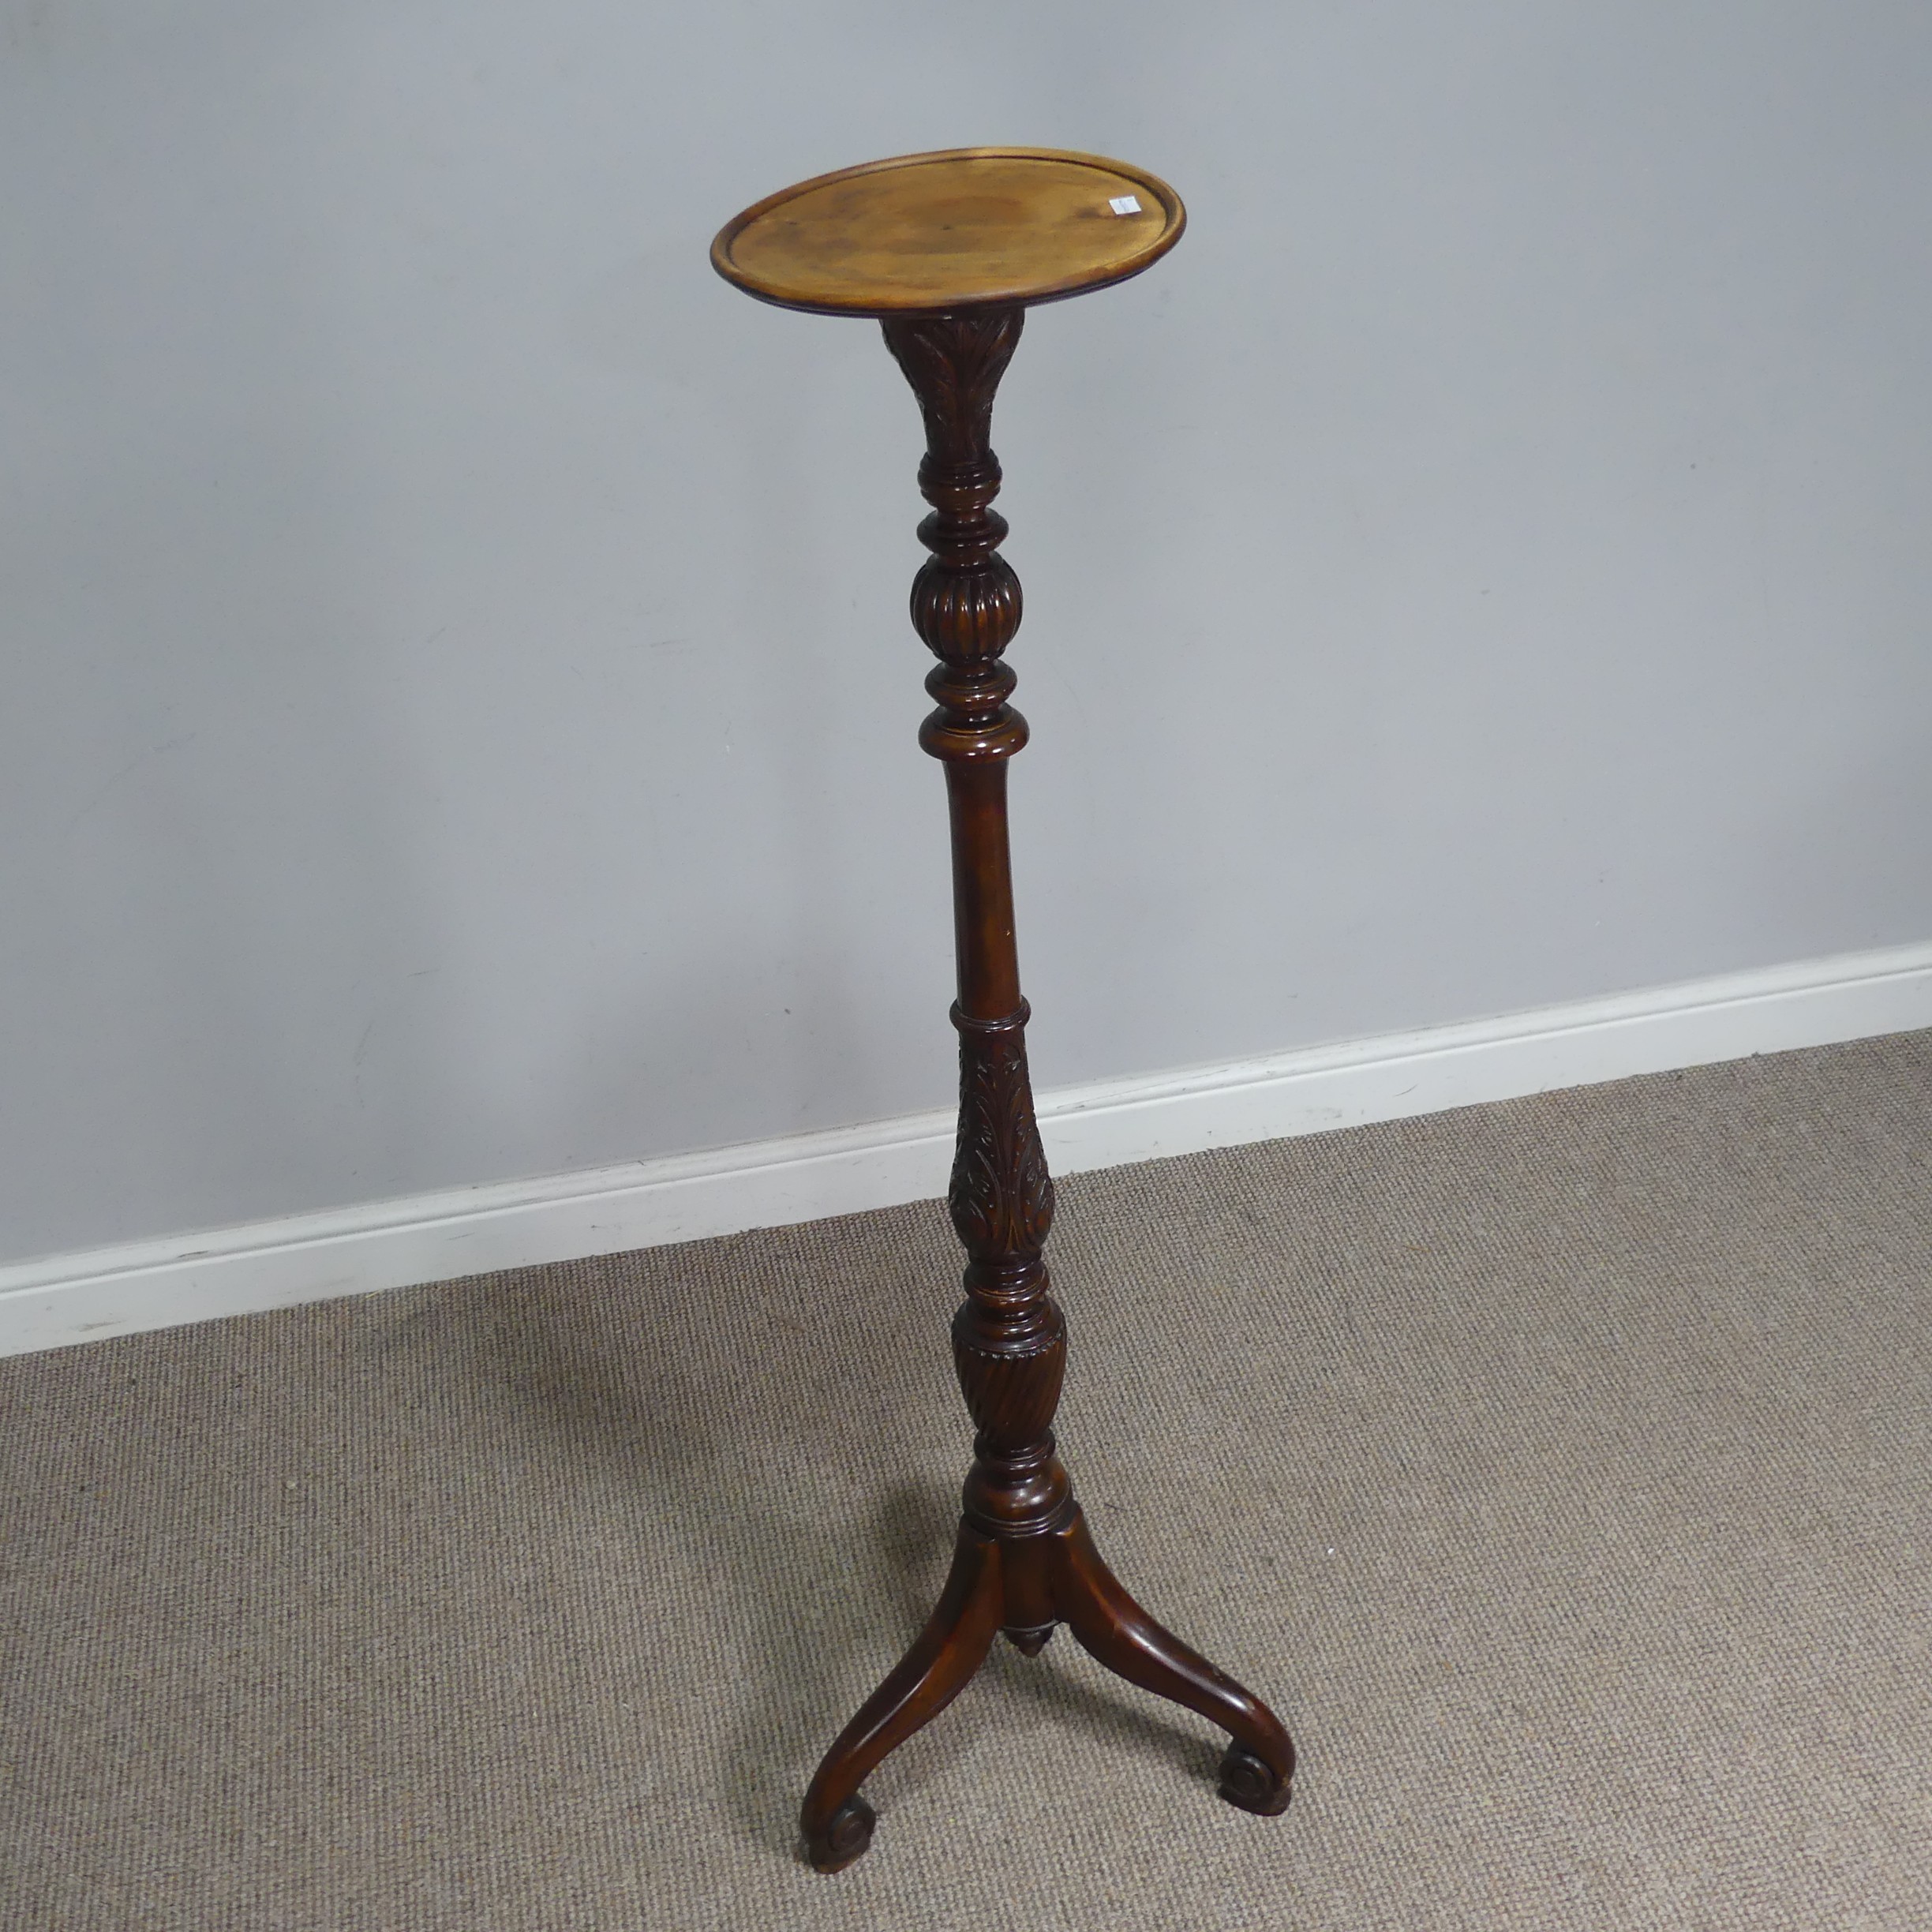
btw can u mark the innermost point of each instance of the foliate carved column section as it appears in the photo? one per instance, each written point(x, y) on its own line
point(954, 363)
point(1001, 1196)
point(965, 602)
point(1008, 1337)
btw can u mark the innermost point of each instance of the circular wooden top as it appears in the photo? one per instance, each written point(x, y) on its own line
point(967, 228)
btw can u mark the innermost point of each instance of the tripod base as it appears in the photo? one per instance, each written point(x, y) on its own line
point(1027, 1585)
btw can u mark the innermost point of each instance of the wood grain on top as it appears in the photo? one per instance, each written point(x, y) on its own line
point(967, 228)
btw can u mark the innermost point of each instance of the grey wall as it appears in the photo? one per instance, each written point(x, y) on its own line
point(458, 713)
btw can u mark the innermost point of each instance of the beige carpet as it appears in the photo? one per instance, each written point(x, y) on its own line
point(1561, 1468)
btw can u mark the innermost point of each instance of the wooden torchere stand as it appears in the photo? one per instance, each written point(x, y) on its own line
point(947, 251)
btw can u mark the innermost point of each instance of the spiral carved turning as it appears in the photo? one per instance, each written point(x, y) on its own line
point(967, 613)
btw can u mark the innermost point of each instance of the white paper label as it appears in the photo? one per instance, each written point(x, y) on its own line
point(1125, 204)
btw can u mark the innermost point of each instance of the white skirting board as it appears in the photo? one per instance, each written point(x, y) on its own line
point(312, 1257)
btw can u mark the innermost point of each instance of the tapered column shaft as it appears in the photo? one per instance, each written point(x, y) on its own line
point(982, 906)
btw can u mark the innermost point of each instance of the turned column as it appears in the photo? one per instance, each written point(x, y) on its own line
point(1009, 1339)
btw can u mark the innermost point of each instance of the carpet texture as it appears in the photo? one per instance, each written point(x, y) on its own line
point(1561, 1470)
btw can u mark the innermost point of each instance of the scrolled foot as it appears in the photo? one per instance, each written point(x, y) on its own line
point(1251, 1785)
point(847, 1837)
point(1112, 1627)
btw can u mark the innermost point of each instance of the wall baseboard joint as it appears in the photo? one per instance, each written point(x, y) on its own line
point(156, 1284)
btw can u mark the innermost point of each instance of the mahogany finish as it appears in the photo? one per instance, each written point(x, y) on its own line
point(939, 233)
point(1024, 1563)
